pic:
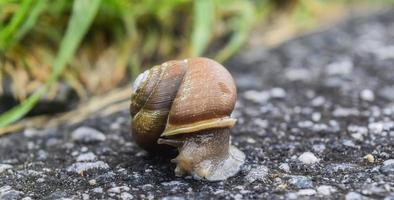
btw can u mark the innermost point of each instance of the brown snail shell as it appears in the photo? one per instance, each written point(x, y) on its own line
point(187, 104)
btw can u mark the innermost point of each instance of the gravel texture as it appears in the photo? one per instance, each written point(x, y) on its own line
point(315, 120)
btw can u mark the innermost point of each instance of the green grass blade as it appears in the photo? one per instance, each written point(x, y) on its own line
point(7, 34)
point(18, 111)
point(82, 16)
point(204, 18)
point(242, 25)
point(31, 20)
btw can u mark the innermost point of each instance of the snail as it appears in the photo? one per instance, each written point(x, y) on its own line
point(187, 104)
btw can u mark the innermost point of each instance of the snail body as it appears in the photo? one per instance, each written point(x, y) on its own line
point(187, 104)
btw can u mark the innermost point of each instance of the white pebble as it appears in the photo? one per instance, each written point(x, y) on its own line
point(367, 95)
point(318, 101)
point(173, 183)
point(84, 166)
point(4, 167)
point(92, 182)
point(375, 127)
point(261, 123)
point(342, 67)
point(325, 190)
point(306, 192)
point(353, 196)
point(87, 134)
point(298, 74)
point(98, 190)
point(85, 196)
point(345, 112)
point(126, 196)
point(388, 162)
point(316, 116)
point(259, 173)
point(308, 158)
point(257, 96)
point(114, 190)
point(278, 93)
point(285, 167)
point(86, 157)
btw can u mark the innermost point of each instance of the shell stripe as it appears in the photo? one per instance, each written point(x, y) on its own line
point(225, 122)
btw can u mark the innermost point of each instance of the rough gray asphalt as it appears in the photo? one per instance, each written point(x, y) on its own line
point(315, 119)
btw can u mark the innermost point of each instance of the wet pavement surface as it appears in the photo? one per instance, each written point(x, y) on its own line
point(315, 120)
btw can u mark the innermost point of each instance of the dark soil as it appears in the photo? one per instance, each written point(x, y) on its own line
point(329, 93)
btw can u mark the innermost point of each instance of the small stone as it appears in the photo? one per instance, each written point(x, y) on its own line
point(319, 148)
point(316, 116)
point(308, 158)
point(85, 166)
point(261, 123)
point(114, 190)
point(291, 195)
point(345, 112)
point(282, 186)
point(319, 127)
point(306, 192)
point(85, 196)
point(86, 134)
point(301, 182)
point(341, 167)
point(389, 162)
point(285, 167)
point(298, 74)
point(305, 124)
point(342, 67)
point(173, 183)
point(387, 167)
point(6, 192)
point(375, 127)
point(354, 196)
point(31, 132)
point(92, 182)
point(98, 190)
point(250, 140)
point(367, 95)
point(4, 167)
point(370, 158)
point(126, 196)
point(358, 132)
point(42, 155)
point(147, 186)
point(238, 197)
point(278, 93)
point(348, 143)
point(115, 126)
point(326, 190)
point(40, 180)
point(375, 189)
point(259, 173)
point(86, 157)
point(318, 101)
point(257, 96)
point(357, 136)
point(173, 198)
point(84, 149)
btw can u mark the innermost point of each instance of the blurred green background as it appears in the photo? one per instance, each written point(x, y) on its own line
point(94, 46)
